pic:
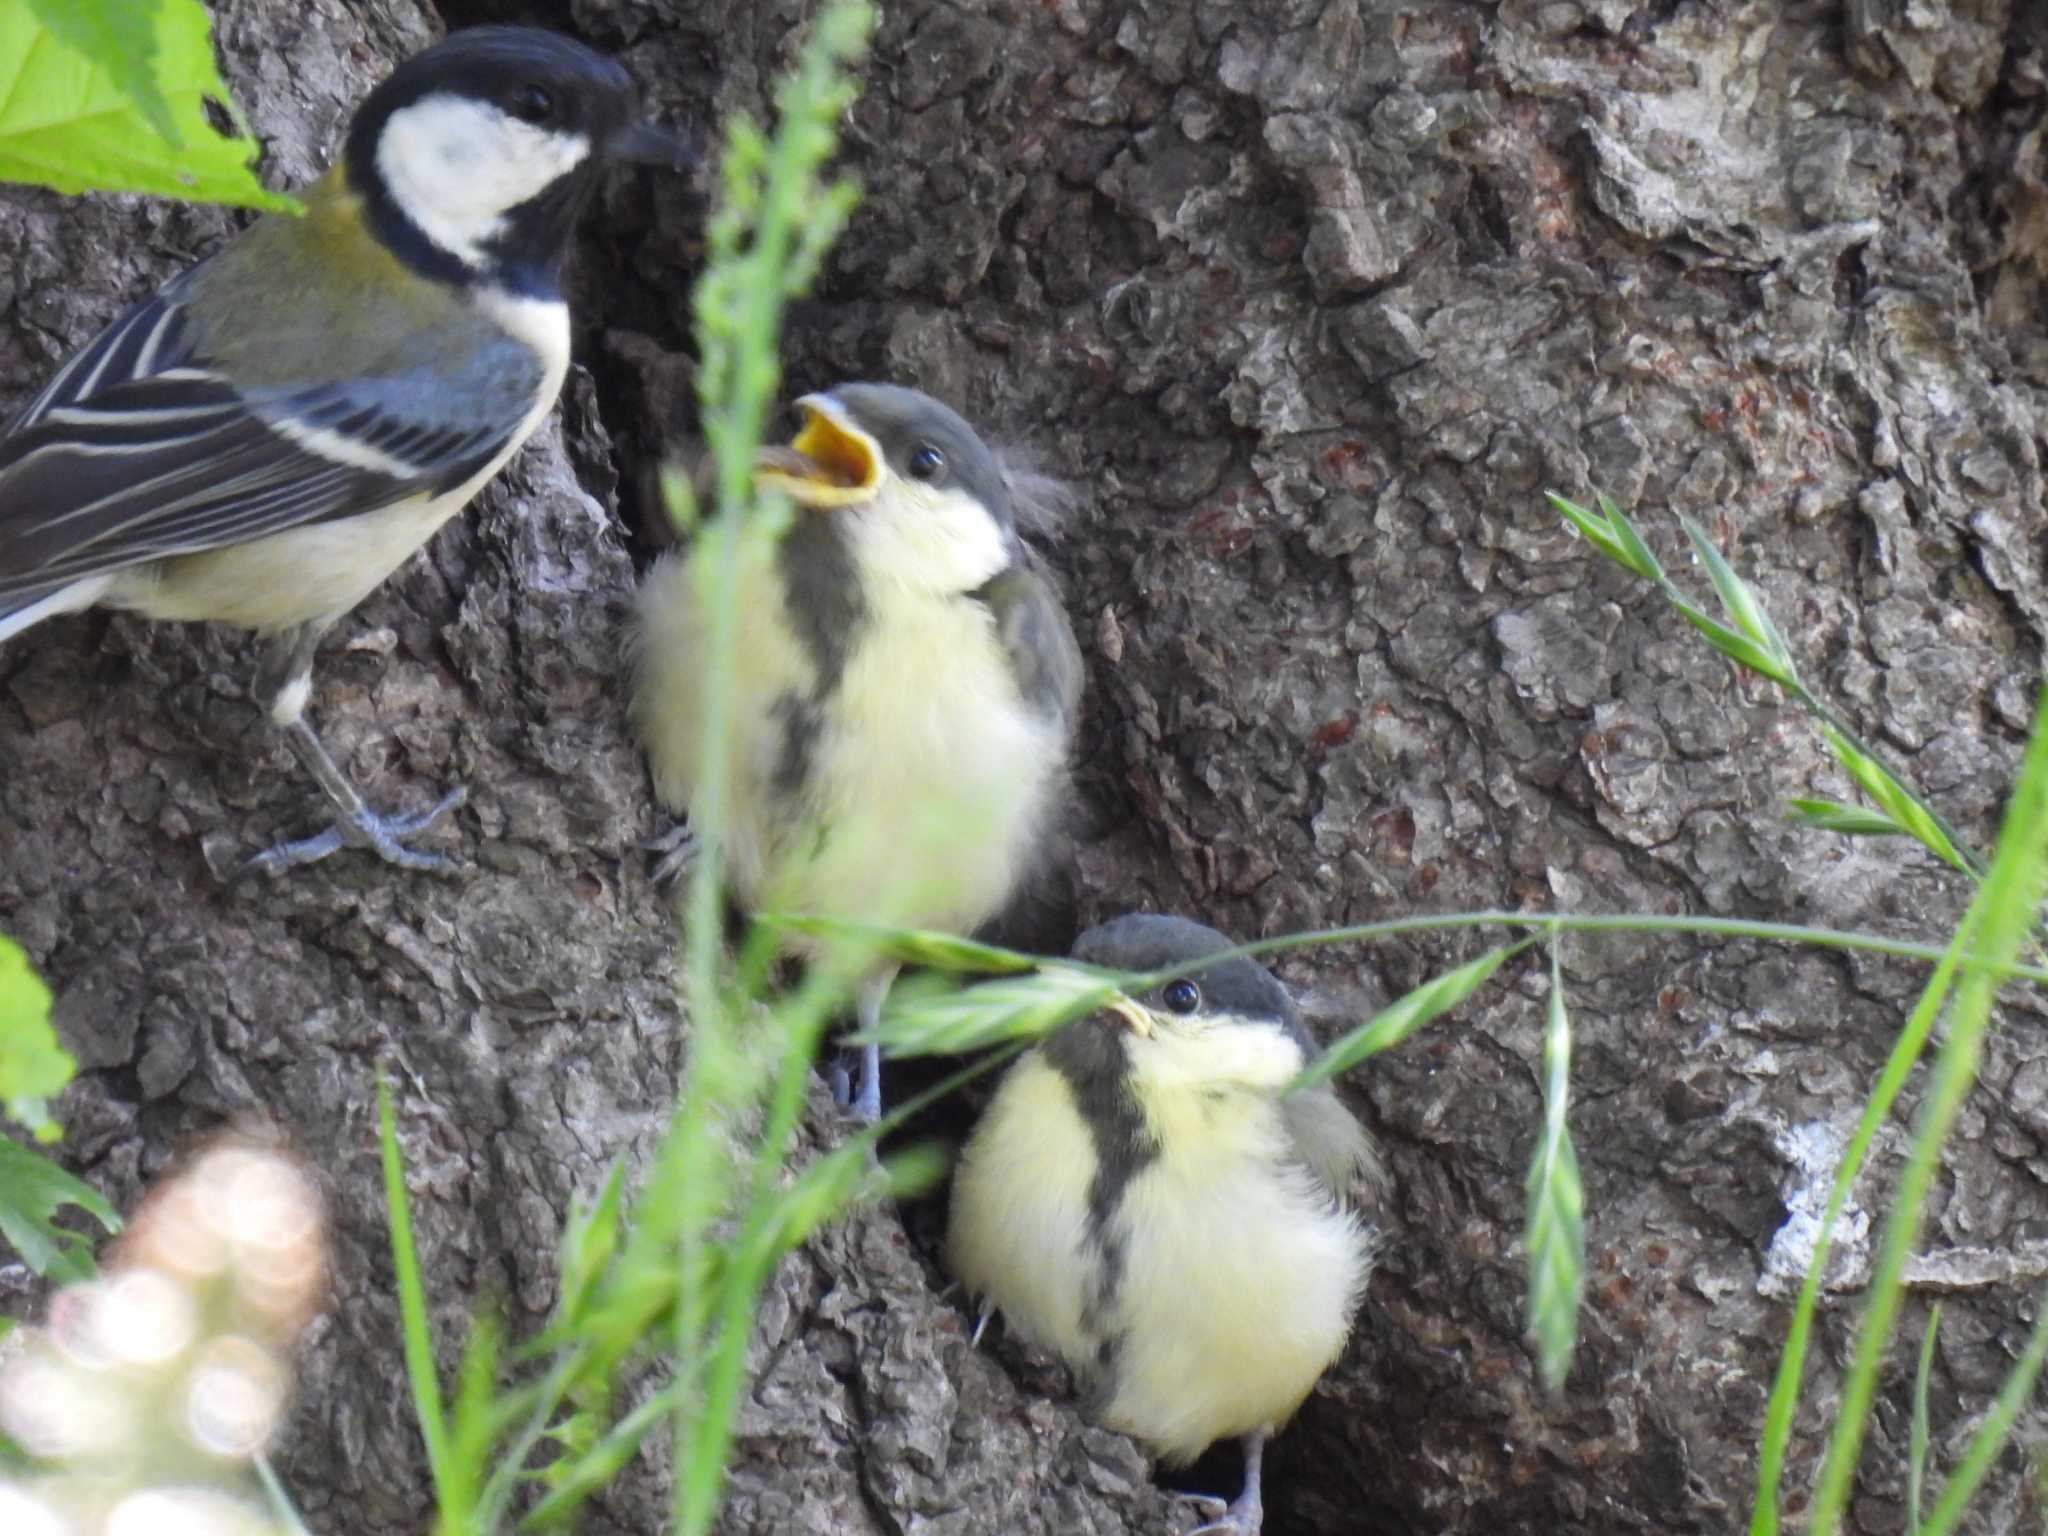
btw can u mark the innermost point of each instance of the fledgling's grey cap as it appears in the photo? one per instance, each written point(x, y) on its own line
point(1148, 941)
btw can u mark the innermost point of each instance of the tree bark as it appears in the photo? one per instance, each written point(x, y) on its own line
point(1312, 299)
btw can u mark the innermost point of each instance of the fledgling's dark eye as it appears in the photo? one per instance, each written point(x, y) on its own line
point(532, 103)
point(927, 463)
point(1182, 996)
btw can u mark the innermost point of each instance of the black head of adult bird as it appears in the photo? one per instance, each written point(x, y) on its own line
point(1142, 1200)
point(906, 682)
point(267, 438)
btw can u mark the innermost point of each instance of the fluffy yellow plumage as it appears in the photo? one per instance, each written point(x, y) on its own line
point(1141, 1200)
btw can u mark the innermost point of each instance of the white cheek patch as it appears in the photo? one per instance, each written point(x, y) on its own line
point(934, 541)
point(457, 166)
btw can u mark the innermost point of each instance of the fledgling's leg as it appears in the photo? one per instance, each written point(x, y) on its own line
point(866, 1101)
point(286, 678)
point(1245, 1514)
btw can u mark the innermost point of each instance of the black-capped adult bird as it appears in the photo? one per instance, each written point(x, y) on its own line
point(906, 682)
point(266, 439)
point(1140, 1199)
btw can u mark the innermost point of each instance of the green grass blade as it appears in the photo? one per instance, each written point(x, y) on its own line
point(282, 1509)
point(2004, 914)
point(1555, 1232)
point(1598, 532)
point(1640, 558)
point(1738, 648)
point(1739, 601)
point(1990, 1436)
point(1785, 1386)
point(577, 1481)
point(1916, 1452)
point(1406, 1014)
point(412, 1303)
point(929, 1021)
point(908, 946)
point(1894, 799)
point(1850, 820)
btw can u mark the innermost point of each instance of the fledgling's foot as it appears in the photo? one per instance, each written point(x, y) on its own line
point(857, 1090)
point(384, 836)
point(866, 1107)
point(678, 849)
point(1243, 1518)
point(1247, 1512)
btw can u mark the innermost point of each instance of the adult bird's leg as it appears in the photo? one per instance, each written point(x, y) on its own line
point(866, 1101)
point(286, 678)
point(1247, 1512)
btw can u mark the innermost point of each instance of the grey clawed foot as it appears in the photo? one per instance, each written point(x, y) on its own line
point(1223, 1519)
point(384, 836)
point(678, 849)
point(1247, 1513)
point(857, 1089)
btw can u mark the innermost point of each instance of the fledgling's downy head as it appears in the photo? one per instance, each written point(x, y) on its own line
point(1226, 1026)
point(476, 157)
point(923, 500)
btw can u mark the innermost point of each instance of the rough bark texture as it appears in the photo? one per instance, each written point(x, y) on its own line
point(1312, 298)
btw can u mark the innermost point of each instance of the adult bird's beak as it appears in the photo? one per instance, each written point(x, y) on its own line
point(649, 144)
point(830, 463)
point(1134, 1015)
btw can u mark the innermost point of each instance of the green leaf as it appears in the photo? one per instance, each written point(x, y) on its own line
point(33, 1067)
point(925, 1021)
point(32, 1190)
point(1555, 1231)
point(119, 36)
point(1916, 1452)
point(1894, 799)
point(68, 120)
point(1401, 1018)
point(910, 946)
point(1854, 820)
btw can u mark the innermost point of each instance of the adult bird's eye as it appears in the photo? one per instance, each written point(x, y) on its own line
point(1182, 996)
point(927, 463)
point(533, 103)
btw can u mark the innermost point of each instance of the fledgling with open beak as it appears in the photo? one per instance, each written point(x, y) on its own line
point(906, 682)
point(1141, 1200)
point(268, 437)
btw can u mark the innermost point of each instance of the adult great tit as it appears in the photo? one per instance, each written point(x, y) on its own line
point(266, 439)
point(906, 682)
point(1140, 1199)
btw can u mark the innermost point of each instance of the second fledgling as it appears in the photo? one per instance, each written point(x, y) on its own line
point(1142, 1200)
point(905, 689)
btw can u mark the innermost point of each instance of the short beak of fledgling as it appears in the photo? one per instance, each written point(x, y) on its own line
point(830, 463)
point(1134, 1015)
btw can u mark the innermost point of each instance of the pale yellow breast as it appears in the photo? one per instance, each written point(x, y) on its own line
point(1240, 1278)
point(933, 777)
point(304, 575)
point(928, 776)
point(1020, 1209)
point(671, 700)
